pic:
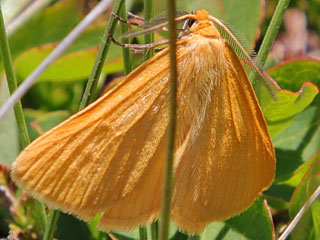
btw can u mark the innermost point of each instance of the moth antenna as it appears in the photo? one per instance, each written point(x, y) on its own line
point(240, 37)
point(127, 21)
point(243, 50)
point(134, 16)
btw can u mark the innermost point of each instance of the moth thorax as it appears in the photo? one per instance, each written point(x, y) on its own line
point(204, 62)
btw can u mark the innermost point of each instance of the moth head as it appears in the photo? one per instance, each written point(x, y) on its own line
point(203, 26)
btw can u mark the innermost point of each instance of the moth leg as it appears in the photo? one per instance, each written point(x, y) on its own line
point(139, 46)
point(144, 25)
point(127, 21)
point(187, 23)
point(134, 16)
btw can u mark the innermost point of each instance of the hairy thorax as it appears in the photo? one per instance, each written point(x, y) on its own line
point(200, 73)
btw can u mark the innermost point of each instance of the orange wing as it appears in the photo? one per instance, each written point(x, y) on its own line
point(110, 151)
point(225, 166)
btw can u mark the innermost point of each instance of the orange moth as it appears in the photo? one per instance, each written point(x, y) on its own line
point(109, 158)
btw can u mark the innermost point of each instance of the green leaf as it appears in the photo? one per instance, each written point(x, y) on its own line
point(280, 194)
point(287, 162)
point(290, 76)
point(49, 96)
point(39, 122)
point(254, 223)
point(306, 228)
point(78, 60)
point(297, 143)
point(300, 140)
point(125, 237)
point(293, 125)
point(73, 66)
point(294, 73)
point(289, 103)
point(9, 142)
point(179, 236)
point(50, 25)
point(70, 227)
point(95, 233)
point(279, 113)
point(301, 171)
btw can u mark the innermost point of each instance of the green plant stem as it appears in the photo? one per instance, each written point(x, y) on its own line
point(269, 38)
point(149, 37)
point(52, 224)
point(154, 230)
point(168, 176)
point(148, 53)
point(101, 57)
point(41, 209)
point(143, 233)
point(18, 111)
point(272, 31)
point(125, 51)
point(12, 82)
